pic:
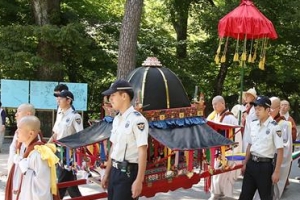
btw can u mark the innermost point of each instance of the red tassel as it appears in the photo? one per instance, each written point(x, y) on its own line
point(207, 180)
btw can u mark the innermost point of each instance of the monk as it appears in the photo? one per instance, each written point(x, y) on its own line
point(32, 175)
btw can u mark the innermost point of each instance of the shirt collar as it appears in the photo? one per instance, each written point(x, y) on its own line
point(268, 121)
point(127, 112)
point(65, 112)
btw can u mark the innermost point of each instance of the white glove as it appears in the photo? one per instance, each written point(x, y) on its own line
point(17, 158)
point(23, 165)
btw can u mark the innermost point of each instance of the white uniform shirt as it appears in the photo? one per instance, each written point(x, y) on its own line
point(265, 138)
point(246, 136)
point(129, 129)
point(67, 123)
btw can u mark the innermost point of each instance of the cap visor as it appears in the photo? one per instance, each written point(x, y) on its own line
point(109, 92)
point(257, 103)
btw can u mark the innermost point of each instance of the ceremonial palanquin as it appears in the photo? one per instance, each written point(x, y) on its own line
point(182, 145)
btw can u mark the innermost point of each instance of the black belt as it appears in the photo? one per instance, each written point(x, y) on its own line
point(130, 166)
point(260, 159)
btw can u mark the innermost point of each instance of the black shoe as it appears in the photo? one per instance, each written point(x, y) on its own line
point(297, 177)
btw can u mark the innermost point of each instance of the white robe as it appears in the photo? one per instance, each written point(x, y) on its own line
point(286, 128)
point(36, 183)
point(250, 117)
point(222, 184)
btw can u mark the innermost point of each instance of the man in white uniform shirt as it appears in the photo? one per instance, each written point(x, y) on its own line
point(67, 123)
point(126, 166)
point(265, 140)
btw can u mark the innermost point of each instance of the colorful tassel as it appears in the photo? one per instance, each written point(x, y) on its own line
point(250, 52)
point(249, 58)
point(223, 59)
point(223, 159)
point(236, 57)
point(261, 65)
point(244, 56)
point(217, 59)
point(255, 51)
point(169, 159)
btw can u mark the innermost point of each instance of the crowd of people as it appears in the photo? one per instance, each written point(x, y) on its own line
point(35, 166)
point(266, 134)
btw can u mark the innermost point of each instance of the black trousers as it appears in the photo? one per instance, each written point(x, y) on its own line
point(257, 176)
point(63, 176)
point(119, 187)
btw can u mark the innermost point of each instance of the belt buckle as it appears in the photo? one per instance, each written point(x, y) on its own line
point(115, 164)
point(255, 158)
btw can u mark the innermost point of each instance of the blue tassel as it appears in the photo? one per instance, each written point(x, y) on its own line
point(102, 152)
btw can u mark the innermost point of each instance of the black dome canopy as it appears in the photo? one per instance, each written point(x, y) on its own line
point(157, 87)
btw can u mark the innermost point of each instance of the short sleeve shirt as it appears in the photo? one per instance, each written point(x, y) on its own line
point(265, 138)
point(67, 123)
point(129, 131)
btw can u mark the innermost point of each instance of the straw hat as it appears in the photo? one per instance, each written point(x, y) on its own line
point(251, 91)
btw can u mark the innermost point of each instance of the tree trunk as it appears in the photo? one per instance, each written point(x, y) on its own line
point(48, 12)
point(179, 10)
point(219, 84)
point(128, 37)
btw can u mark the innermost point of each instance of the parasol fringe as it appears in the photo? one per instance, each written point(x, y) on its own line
point(255, 51)
point(241, 63)
point(223, 58)
point(244, 54)
point(261, 65)
point(217, 59)
point(236, 55)
point(250, 52)
point(263, 54)
point(249, 58)
point(262, 49)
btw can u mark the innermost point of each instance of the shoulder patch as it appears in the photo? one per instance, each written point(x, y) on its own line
point(141, 126)
point(137, 113)
point(278, 132)
point(78, 120)
point(274, 122)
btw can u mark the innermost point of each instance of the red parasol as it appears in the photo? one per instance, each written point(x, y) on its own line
point(245, 22)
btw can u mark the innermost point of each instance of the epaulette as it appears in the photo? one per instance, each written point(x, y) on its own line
point(137, 113)
point(274, 122)
point(255, 120)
